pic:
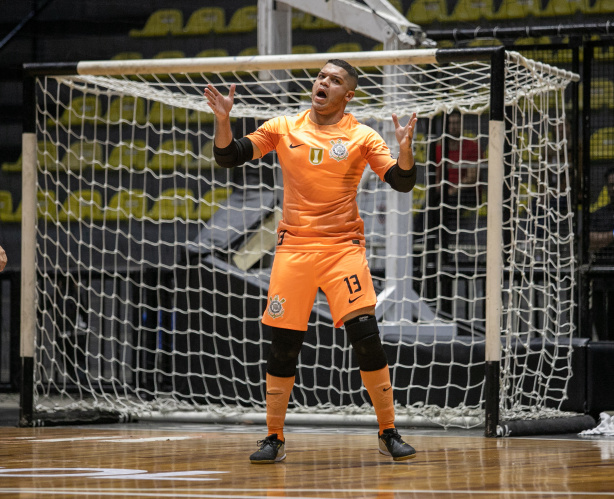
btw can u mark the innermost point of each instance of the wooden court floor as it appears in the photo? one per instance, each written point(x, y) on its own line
point(191, 461)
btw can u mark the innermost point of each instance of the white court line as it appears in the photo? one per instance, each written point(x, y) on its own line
point(40, 439)
point(140, 493)
point(141, 440)
point(102, 438)
point(243, 493)
point(316, 430)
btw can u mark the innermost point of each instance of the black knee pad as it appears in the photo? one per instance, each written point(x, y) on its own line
point(283, 355)
point(363, 334)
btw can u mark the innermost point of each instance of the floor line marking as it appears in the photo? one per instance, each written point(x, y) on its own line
point(215, 492)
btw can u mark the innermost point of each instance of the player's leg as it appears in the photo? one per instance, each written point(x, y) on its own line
point(292, 291)
point(280, 372)
point(348, 280)
point(349, 288)
point(363, 334)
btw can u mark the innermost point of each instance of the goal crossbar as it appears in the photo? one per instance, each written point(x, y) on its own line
point(284, 61)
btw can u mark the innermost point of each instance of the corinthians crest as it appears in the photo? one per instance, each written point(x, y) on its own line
point(276, 308)
point(339, 151)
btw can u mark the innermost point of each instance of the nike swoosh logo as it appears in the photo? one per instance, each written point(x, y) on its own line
point(297, 145)
point(386, 389)
point(350, 300)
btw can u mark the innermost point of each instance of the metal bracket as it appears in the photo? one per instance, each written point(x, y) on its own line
point(378, 19)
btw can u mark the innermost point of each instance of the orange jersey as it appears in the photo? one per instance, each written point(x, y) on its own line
point(322, 166)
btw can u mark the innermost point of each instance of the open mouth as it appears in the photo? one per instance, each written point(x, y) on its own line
point(320, 94)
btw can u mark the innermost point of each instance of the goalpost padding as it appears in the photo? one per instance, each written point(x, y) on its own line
point(150, 265)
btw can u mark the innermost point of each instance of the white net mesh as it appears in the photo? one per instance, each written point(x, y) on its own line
point(604, 428)
point(153, 263)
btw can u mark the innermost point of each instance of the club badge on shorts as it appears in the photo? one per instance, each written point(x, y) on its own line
point(276, 308)
point(339, 151)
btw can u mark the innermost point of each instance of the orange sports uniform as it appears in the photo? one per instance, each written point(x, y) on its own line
point(321, 239)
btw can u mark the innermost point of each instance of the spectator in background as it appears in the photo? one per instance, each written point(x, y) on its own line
point(556, 176)
point(457, 163)
point(3, 259)
point(602, 220)
point(556, 157)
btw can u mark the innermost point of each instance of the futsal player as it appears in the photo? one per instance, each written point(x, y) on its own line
point(322, 152)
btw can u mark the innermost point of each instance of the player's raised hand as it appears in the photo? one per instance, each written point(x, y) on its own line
point(220, 104)
point(3, 259)
point(404, 134)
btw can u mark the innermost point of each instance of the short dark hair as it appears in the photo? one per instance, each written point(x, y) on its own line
point(609, 171)
point(349, 69)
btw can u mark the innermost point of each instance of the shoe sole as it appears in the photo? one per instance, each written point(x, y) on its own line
point(269, 461)
point(402, 458)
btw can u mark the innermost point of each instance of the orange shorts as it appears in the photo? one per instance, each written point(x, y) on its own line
point(343, 275)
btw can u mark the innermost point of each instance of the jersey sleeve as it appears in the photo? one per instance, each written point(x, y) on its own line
point(266, 136)
point(378, 154)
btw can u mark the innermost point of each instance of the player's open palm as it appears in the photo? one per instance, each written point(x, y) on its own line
point(220, 104)
point(3, 259)
point(404, 134)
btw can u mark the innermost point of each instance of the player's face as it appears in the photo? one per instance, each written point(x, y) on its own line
point(331, 90)
point(454, 125)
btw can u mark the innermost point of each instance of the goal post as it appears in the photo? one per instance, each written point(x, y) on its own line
point(494, 242)
point(148, 265)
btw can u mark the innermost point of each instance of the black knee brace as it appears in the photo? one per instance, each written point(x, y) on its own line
point(283, 355)
point(363, 334)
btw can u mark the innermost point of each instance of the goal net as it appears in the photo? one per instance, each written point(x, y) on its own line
point(152, 263)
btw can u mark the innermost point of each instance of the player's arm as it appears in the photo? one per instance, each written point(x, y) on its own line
point(402, 176)
point(405, 136)
point(227, 150)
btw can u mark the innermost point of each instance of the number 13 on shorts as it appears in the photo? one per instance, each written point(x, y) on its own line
point(353, 285)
